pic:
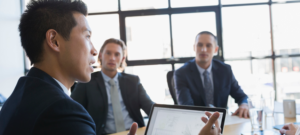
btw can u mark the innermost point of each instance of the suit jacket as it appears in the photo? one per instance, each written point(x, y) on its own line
point(93, 97)
point(190, 91)
point(38, 105)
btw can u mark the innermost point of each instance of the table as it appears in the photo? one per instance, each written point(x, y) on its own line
point(238, 128)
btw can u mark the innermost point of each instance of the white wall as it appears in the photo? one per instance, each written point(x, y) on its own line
point(11, 52)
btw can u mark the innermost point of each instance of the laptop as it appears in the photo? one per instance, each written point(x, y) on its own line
point(179, 120)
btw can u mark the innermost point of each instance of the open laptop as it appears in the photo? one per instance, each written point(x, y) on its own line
point(179, 120)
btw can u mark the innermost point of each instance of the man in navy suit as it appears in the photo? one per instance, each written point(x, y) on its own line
point(205, 81)
point(56, 37)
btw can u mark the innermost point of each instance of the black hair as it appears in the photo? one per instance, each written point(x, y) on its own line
point(42, 15)
point(209, 33)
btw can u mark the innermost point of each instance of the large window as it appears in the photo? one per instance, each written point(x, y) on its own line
point(148, 37)
point(246, 31)
point(184, 32)
point(258, 38)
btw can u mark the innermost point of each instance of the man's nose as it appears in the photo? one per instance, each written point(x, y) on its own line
point(112, 57)
point(204, 49)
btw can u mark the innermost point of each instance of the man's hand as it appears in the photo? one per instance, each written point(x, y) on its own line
point(207, 129)
point(243, 111)
point(133, 129)
point(289, 129)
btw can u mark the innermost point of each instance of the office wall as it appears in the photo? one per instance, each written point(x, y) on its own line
point(11, 52)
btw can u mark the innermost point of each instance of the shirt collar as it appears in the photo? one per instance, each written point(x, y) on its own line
point(201, 70)
point(63, 87)
point(107, 78)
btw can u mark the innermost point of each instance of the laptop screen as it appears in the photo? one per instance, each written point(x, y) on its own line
point(170, 121)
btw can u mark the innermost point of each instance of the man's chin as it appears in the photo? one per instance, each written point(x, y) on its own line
point(84, 79)
point(203, 61)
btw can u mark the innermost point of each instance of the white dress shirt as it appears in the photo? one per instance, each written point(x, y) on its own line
point(63, 87)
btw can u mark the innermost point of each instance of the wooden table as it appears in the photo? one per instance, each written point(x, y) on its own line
point(237, 129)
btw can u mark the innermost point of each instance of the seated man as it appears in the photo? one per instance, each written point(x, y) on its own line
point(205, 81)
point(113, 99)
point(54, 35)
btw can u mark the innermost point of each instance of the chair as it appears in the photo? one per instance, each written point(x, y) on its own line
point(170, 81)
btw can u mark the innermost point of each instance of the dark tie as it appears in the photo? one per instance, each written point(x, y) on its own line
point(116, 105)
point(208, 88)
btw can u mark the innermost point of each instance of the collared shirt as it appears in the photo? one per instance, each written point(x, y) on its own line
point(201, 71)
point(65, 89)
point(110, 122)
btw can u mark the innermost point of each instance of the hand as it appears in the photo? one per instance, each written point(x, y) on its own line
point(243, 111)
point(289, 129)
point(133, 129)
point(207, 129)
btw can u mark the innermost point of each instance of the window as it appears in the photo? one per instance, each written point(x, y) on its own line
point(143, 4)
point(148, 37)
point(286, 28)
point(246, 31)
point(101, 5)
point(288, 78)
point(193, 3)
point(184, 32)
point(109, 28)
point(226, 2)
point(254, 76)
point(154, 80)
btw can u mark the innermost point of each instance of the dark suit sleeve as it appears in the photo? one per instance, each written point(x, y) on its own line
point(65, 117)
point(182, 91)
point(79, 94)
point(144, 100)
point(236, 92)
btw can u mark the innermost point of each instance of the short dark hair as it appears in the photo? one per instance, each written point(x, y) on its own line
point(209, 33)
point(42, 15)
point(124, 50)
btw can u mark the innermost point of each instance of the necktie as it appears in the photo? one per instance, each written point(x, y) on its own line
point(208, 88)
point(116, 105)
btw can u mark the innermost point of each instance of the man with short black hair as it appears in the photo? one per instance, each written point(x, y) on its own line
point(56, 37)
point(205, 81)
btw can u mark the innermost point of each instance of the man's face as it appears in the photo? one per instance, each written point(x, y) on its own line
point(205, 48)
point(111, 57)
point(77, 52)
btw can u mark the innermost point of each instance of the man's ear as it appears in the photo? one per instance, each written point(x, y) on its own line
point(52, 40)
point(216, 49)
point(122, 59)
point(100, 56)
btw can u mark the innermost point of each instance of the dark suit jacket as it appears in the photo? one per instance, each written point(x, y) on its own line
point(93, 97)
point(189, 89)
point(38, 105)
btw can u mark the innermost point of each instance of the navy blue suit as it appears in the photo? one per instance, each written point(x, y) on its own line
point(190, 91)
point(38, 105)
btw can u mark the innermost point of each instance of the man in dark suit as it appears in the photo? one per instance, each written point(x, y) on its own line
point(205, 81)
point(56, 37)
point(113, 99)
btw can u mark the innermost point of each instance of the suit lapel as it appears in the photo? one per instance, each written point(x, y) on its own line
point(197, 80)
point(101, 85)
point(216, 81)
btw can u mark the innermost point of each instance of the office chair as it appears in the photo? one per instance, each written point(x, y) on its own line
point(170, 81)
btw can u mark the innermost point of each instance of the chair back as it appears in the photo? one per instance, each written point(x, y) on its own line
point(170, 81)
